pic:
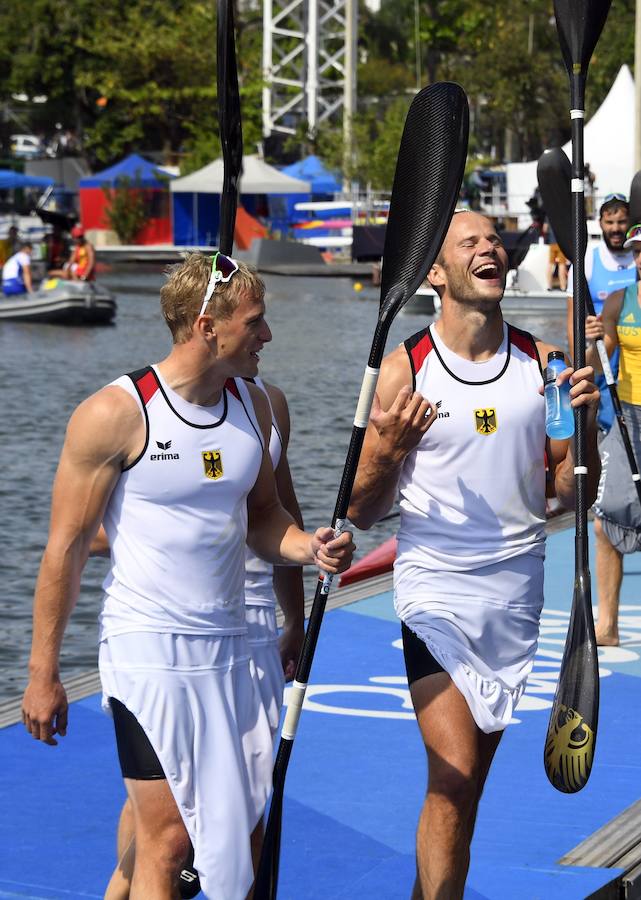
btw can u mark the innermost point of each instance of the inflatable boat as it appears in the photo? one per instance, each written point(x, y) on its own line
point(61, 302)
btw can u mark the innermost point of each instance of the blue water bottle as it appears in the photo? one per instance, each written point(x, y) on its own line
point(559, 416)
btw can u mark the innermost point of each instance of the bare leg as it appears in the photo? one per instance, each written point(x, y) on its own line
point(459, 758)
point(609, 575)
point(563, 276)
point(550, 275)
point(120, 883)
point(162, 842)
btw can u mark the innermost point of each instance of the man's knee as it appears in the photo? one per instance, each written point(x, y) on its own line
point(459, 788)
point(169, 844)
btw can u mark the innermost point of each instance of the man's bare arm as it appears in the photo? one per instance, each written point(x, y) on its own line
point(583, 392)
point(288, 580)
point(97, 441)
point(272, 532)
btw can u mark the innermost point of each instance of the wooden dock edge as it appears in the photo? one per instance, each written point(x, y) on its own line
point(616, 845)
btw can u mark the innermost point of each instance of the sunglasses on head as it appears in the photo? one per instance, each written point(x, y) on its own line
point(609, 197)
point(222, 270)
point(633, 232)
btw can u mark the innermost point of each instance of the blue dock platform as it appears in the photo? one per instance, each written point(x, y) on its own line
point(357, 774)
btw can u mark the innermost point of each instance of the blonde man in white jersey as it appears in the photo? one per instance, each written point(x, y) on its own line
point(274, 658)
point(458, 426)
point(174, 460)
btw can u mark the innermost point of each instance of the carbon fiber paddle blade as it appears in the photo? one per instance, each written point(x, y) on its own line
point(229, 121)
point(554, 174)
point(429, 172)
point(579, 24)
point(635, 200)
point(571, 736)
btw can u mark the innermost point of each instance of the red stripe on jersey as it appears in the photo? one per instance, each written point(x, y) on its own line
point(232, 387)
point(147, 386)
point(420, 351)
point(525, 343)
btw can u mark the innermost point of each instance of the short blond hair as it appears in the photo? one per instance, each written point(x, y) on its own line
point(182, 295)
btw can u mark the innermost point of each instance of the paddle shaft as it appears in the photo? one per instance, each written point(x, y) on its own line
point(571, 734)
point(267, 875)
point(577, 113)
point(229, 121)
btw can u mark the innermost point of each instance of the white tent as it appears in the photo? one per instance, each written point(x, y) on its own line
point(258, 178)
point(608, 148)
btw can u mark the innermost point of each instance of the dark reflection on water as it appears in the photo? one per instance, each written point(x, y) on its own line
point(322, 335)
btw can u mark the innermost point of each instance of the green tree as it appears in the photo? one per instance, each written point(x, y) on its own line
point(126, 212)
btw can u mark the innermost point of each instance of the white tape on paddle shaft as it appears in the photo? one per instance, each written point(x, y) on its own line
point(577, 114)
point(577, 186)
point(366, 397)
point(294, 706)
point(580, 470)
point(605, 362)
point(636, 477)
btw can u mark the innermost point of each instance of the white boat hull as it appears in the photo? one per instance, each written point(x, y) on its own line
point(61, 302)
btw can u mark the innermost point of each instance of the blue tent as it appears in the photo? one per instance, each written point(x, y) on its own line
point(10, 180)
point(312, 169)
point(134, 167)
point(324, 185)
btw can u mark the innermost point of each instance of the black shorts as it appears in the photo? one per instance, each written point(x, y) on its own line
point(137, 757)
point(419, 662)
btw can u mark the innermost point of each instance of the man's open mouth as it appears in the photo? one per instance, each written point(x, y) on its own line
point(487, 272)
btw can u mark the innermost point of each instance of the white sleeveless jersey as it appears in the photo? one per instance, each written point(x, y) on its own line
point(473, 491)
point(259, 577)
point(177, 518)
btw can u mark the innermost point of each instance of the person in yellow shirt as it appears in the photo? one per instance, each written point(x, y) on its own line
point(617, 508)
point(82, 262)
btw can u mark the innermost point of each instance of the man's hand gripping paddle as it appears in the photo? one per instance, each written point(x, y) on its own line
point(571, 736)
point(429, 172)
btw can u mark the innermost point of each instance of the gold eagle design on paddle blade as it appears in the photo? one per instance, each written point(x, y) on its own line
point(569, 751)
point(213, 463)
point(485, 420)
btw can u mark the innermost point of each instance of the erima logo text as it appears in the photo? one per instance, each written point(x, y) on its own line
point(159, 456)
point(441, 415)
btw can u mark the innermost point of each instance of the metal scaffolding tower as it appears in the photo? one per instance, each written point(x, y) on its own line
point(309, 64)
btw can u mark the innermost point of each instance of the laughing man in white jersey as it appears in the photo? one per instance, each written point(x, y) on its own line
point(458, 428)
point(174, 460)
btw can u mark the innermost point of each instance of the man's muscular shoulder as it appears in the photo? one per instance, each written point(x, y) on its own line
point(107, 426)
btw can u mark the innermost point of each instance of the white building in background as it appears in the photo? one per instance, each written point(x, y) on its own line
point(608, 148)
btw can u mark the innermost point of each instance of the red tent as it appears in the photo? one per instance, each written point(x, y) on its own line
point(141, 176)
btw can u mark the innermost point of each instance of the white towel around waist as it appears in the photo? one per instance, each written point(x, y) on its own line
point(197, 700)
point(482, 627)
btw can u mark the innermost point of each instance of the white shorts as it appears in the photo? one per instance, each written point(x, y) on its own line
point(262, 634)
point(196, 698)
point(482, 627)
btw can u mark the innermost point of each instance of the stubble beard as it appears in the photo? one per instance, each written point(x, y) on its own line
point(462, 291)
